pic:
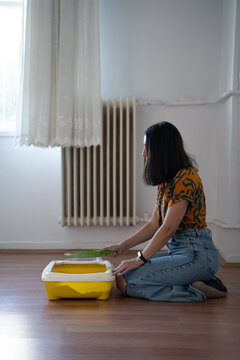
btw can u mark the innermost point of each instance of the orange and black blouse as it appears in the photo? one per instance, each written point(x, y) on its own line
point(187, 185)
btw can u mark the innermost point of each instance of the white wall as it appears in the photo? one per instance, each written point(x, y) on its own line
point(156, 49)
point(227, 135)
point(165, 50)
point(30, 206)
point(160, 49)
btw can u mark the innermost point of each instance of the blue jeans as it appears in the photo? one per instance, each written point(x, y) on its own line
point(168, 275)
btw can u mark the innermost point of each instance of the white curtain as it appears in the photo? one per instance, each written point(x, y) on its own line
point(59, 99)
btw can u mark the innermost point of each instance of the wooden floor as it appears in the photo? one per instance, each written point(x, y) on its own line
point(33, 328)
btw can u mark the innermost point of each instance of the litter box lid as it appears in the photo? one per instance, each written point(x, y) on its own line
point(51, 274)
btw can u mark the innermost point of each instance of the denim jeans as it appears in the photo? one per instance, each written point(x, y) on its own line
point(168, 275)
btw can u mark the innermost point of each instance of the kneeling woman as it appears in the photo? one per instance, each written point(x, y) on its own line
point(186, 271)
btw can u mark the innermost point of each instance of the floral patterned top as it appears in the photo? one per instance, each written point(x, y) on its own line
point(185, 185)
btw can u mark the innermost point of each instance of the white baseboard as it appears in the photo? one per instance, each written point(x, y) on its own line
point(36, 246)
point(229, 258)
point(47, 245)
point(227, 241)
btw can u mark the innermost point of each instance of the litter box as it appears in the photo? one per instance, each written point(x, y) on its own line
point(78, 279)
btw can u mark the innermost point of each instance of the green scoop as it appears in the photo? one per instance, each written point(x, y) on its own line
point(87, 253)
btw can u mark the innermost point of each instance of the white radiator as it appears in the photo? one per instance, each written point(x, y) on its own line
point(98, 182)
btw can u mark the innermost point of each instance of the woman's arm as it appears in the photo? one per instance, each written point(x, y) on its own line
point(174, 215)
point(145, 233)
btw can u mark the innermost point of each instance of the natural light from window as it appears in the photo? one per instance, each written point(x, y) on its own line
point(10, 36)
point(16, 342)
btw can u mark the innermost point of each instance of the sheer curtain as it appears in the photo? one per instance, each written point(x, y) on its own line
point(59, 98)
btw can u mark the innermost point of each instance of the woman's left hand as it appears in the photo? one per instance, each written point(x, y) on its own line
point(127, 265)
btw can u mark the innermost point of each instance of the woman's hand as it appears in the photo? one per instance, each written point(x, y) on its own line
point(127, 265)
point(116, 248)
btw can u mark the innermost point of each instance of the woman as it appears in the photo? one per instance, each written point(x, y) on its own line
point(185, 272)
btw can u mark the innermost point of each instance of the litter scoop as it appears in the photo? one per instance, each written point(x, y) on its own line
point(87, 253)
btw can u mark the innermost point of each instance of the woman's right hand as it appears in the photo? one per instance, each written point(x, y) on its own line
point(116, 248)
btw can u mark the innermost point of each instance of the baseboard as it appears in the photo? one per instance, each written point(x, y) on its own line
point(48, 251)
point(52, 246)
point(229, 264)
point(229, 260)
point(39, 246)
point(223, 262)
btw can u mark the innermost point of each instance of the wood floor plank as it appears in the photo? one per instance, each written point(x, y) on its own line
point(33, 328)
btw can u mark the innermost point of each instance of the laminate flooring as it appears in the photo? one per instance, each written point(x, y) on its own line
point(33, 328)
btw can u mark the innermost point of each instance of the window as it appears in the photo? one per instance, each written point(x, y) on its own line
point(10, 37)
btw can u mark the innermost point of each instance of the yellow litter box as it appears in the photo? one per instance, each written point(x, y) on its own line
point(78, 279)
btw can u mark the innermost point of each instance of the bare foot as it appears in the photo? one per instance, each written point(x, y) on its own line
point(120, 283)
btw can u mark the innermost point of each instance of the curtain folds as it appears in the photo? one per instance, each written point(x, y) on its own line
point(59, 98)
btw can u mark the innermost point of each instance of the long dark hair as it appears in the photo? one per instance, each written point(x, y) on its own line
point(165, 154)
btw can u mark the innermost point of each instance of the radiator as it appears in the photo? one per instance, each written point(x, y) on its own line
point(98, 182)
